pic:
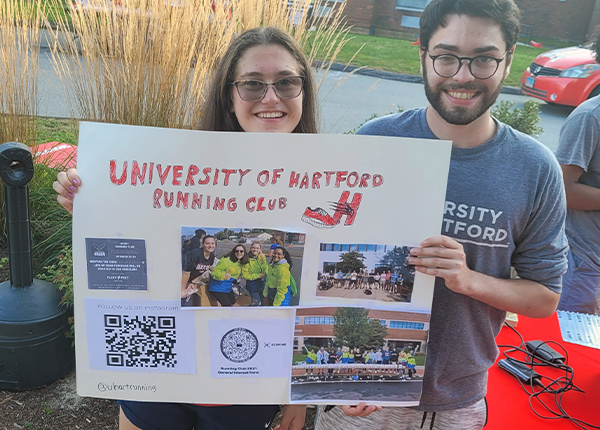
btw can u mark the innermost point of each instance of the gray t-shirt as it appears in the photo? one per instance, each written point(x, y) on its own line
point(579, 145)
point(505, 203)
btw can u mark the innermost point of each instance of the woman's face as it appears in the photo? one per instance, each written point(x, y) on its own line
point(267, 63)
point(255, 249)
point(209, 244)
point(240, 251)
point(278, 255)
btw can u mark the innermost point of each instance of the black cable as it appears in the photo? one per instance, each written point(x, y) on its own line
point(555, 387)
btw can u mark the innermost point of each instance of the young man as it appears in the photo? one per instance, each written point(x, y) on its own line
point(505, 206)
point(579, 155)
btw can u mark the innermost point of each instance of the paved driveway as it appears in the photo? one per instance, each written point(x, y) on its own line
point(346, 101)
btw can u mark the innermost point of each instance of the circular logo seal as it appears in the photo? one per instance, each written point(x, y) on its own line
point(239, 345)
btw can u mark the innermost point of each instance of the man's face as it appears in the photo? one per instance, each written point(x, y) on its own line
point(462, 98)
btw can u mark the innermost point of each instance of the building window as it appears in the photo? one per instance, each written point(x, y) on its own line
point(406, 324)
point(362, 247)
point(297, 320)
point(382, 322)
point(318, 320)
point(417, 5)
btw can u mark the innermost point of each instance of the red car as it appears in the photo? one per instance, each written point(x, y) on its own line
point(567, 76)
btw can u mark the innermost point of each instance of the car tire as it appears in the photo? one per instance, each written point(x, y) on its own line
point(594, 92)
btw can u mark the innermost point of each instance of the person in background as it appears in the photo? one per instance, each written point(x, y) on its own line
point(280, 286)
point(195, 276)
point(274, 245)
point(232, 266)
point(579, 155)
point(255, 275)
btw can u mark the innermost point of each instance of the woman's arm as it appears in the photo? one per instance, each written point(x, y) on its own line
point(219, 273)
point(282, 287)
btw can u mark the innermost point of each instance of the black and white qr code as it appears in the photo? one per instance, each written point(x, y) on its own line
point(140, 341)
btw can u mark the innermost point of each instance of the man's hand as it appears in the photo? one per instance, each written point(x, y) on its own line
point(444, 257)
point(293, 417)
point(360, 410)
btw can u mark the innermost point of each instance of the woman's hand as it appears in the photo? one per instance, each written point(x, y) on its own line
point(227, 276)
point(66, 185)
point(293, 417)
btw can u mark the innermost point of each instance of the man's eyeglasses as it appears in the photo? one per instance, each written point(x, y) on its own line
point(481, 67)
point(252, 90)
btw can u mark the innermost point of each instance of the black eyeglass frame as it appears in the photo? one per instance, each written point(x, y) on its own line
point(267, 85)
point(470, 59)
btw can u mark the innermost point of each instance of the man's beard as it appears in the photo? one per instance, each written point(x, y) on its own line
point(459, 115)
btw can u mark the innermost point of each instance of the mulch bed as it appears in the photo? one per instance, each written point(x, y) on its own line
point(58, 407)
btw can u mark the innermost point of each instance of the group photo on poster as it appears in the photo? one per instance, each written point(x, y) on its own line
point(240, 267)
point(358, 354)
point(365, 271)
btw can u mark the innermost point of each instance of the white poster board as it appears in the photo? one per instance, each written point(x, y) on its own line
point(146, 190)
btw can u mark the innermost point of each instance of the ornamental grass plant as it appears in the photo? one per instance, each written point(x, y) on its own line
point(148, 62)
point(19, 66)
point(20, 23)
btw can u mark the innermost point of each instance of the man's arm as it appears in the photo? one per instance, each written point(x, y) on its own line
point(444, 257)
point(579, 196)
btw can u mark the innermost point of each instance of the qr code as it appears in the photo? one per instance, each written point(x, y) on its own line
point(140, 341)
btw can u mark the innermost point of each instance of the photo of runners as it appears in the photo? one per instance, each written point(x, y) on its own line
point(365, 271)
point(240, 267)
point(358, 354)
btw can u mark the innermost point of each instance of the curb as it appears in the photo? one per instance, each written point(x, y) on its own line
point(391, 76)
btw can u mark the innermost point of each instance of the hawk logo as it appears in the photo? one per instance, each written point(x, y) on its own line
point(319, 217)
point(99, 249)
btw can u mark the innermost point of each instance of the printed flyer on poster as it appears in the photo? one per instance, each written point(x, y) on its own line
point(264, 268)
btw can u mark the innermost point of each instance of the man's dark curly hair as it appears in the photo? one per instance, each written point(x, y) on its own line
point(504, 12)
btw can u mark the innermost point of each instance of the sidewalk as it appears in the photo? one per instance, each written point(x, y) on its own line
point(391, 76)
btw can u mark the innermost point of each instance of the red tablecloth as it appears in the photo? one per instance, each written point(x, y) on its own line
point(508, 404)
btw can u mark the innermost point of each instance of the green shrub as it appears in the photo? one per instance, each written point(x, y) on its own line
point(399, 109)
point(525, 120)
point(60, 273)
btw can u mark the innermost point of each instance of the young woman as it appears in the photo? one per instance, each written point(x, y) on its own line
point(255, 275)
point(280, 287)
point(263, 84)
point(195, 276)
point(231, 267)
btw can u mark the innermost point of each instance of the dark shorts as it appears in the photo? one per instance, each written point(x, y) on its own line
point(179, 416)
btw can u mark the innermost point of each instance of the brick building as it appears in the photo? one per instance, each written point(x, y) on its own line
point(566, 19)
point(314, 326)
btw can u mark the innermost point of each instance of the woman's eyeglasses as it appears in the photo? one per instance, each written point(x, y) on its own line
point(252, 90)
point(240, 251)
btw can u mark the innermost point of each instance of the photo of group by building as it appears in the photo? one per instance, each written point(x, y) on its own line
point(358, 354)
point(365, 271)
point(240, 267)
